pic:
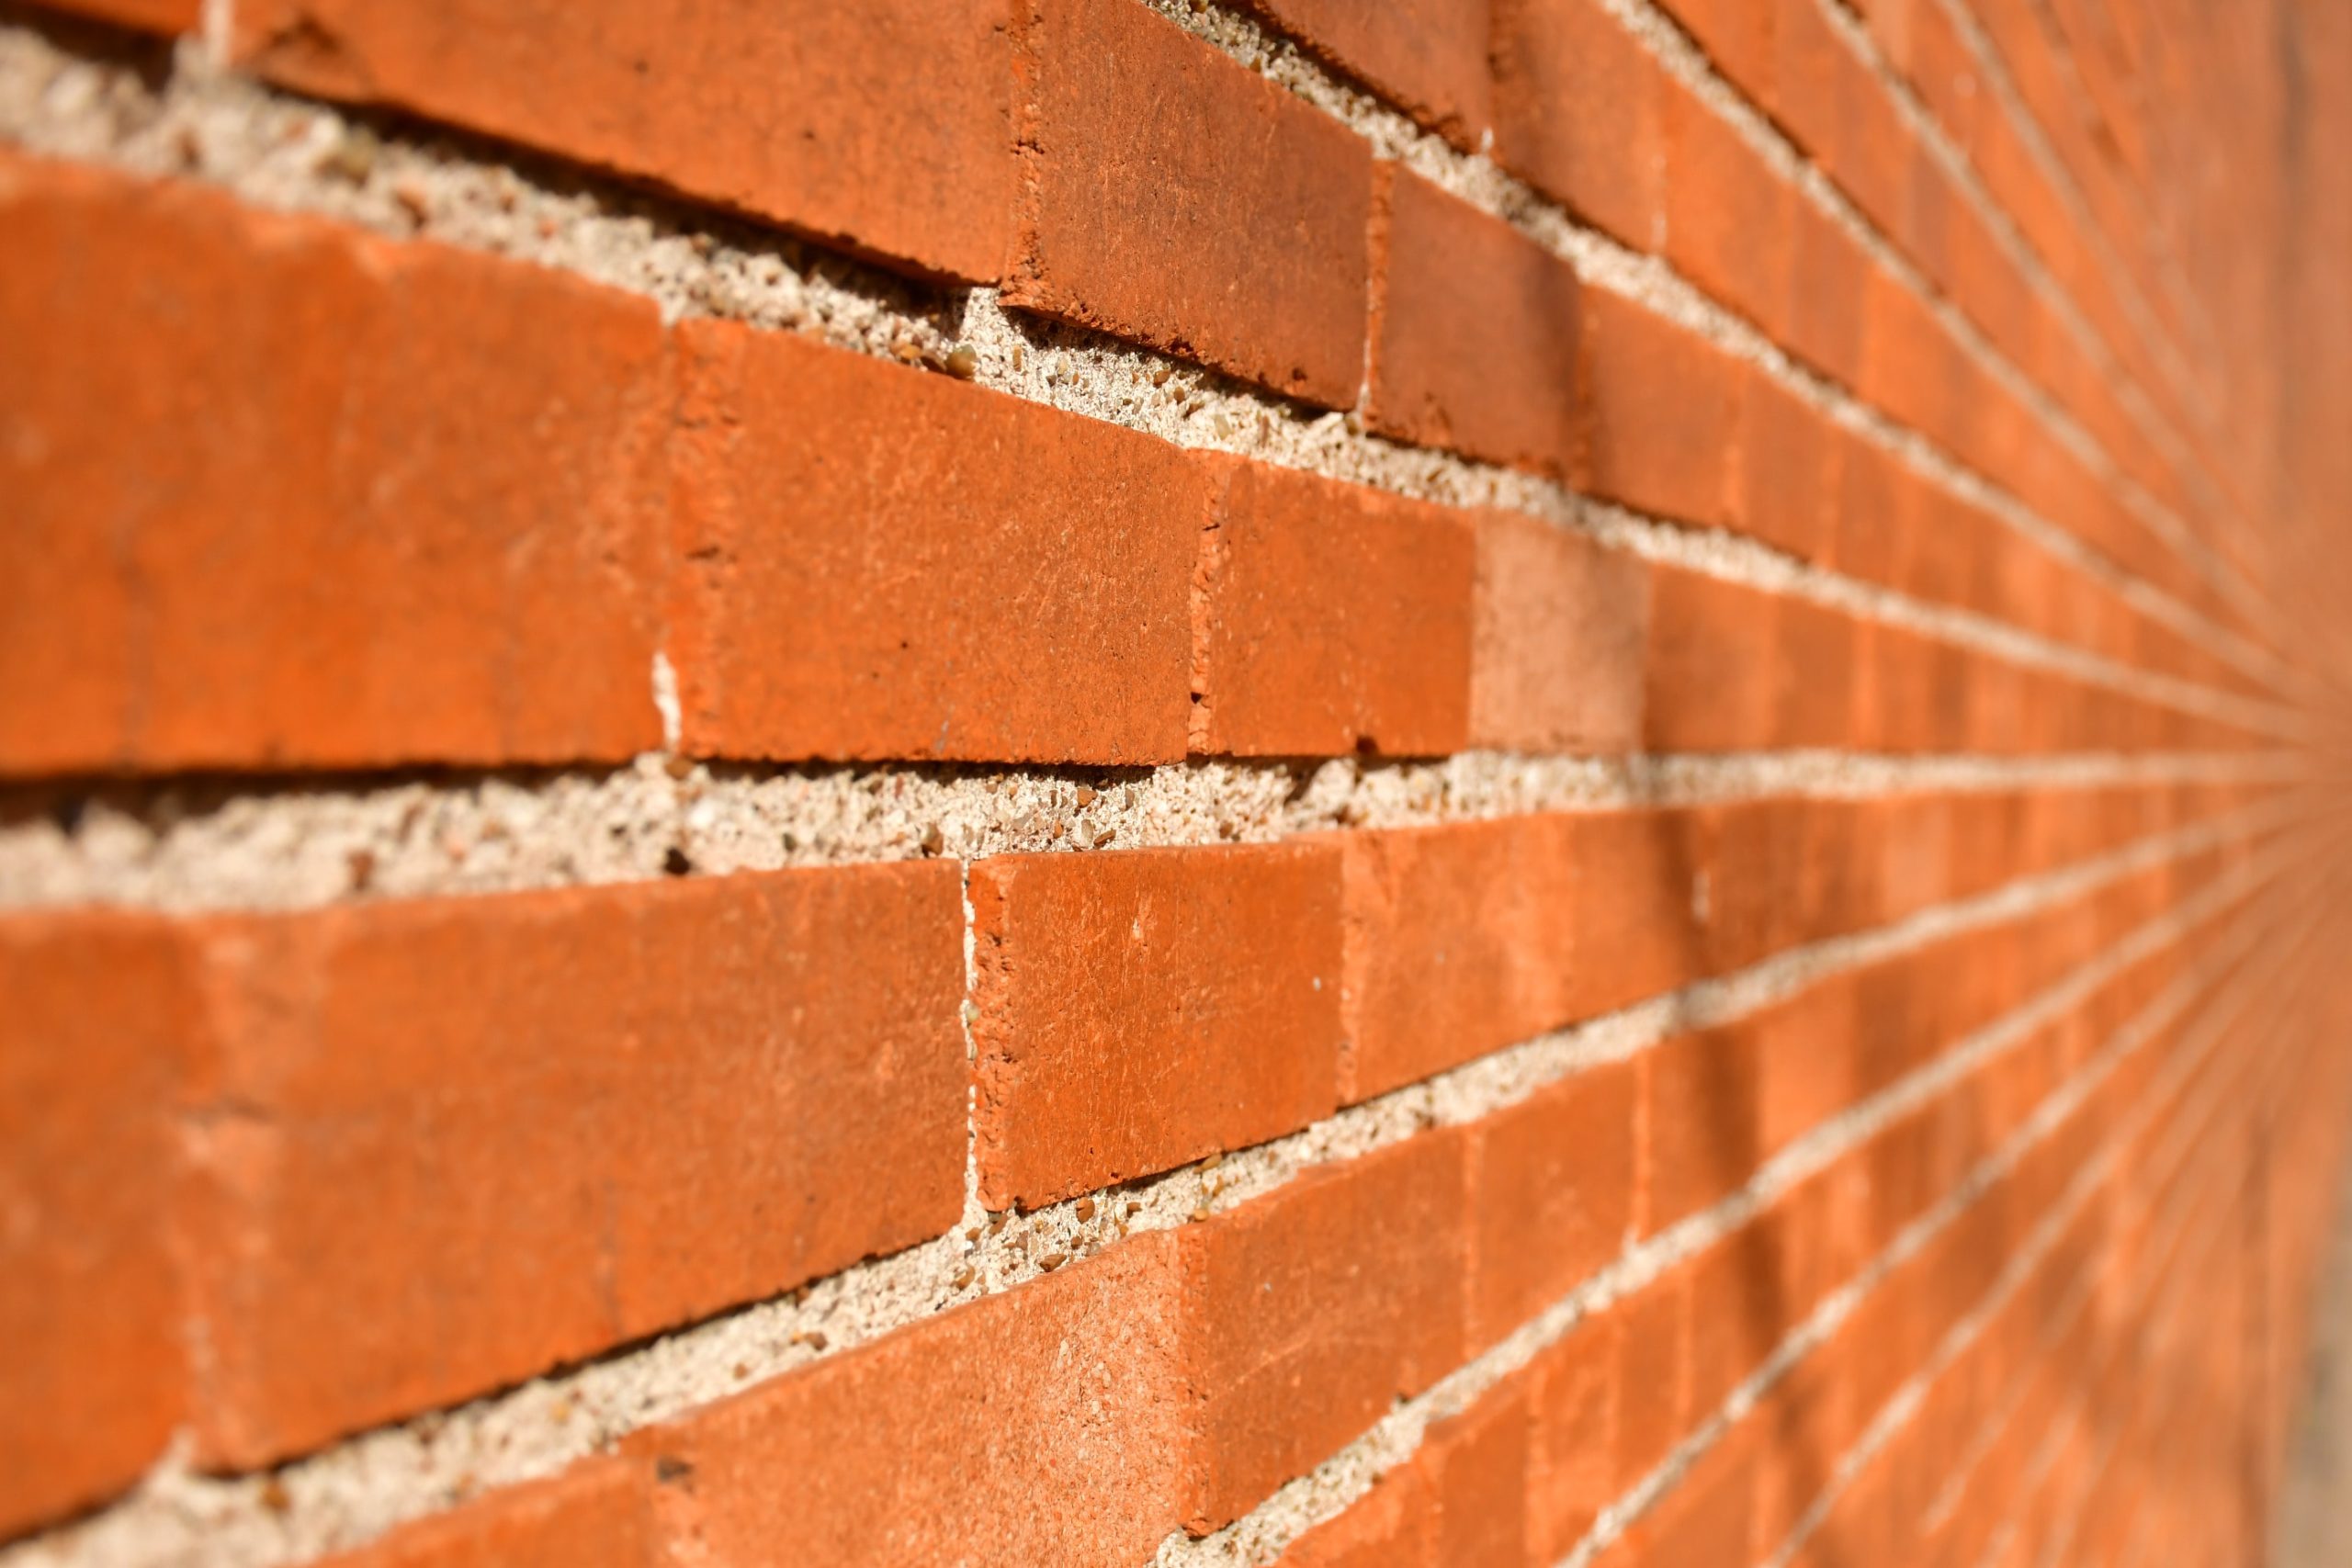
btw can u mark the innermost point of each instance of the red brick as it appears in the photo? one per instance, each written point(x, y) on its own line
point(1562, 629)
point(1045, 1424)
point(307, 499)
point(1703, 1521)
point(885, 127)
point(1475, 330)
point(1727, 214)
point(1393, 1526)
point(1788, 468)
point(1699, 1121)
point(1659, 410)
point(1141, 1009)
point(1311, 1310)
point(882, 563)
point(1427, 57)
point(1572, 1457)
point(1829, 272)
point(592, 1516)
point(97, 1039)
point(1737, 36)
point(1459, 942)
point(1553, 1177)
point(1654, 1410)
point(1332, 618)
point(525, 1128)
point(1732, 668)
point(1159, 223)
point(1578, 108)
point(1477, 1464)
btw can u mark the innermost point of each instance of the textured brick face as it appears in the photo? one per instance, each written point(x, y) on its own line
point(1005, 782)
point(527, 1127)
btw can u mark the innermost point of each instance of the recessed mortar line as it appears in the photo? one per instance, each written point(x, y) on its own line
point(2013, 240)
point(1258, 1536)
point(271, 148)
point(1992, 67)
point(1678, 55)
point(1649, 279)
point(363, 1485)
point(1841, 1304)
point(293, 844)
point(1904, 1404)
point(1652, 282)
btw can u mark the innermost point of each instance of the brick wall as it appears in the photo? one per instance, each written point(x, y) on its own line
point(1195, 782)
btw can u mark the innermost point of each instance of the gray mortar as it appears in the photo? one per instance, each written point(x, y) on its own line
point(292, 155)
point(248, 845)
point(358, 1488)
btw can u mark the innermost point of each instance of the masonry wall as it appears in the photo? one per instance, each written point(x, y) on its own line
point(1067, 781)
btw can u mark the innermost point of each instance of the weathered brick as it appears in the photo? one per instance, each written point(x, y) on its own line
point(1476, 332)
point(1332, 618)
point(1392, 1526)
point(1139, 1008)
point(592, 1516)
point(1312, 1309)
point(308, 499)
point(885, 127)
point(98, 1039)
point(1046, 1425)
point(1562, 629)
point(1578, 113)
point(1158, 224)
point(525, 1128)
point(1554, 1179)
point(881, 563)
point(1427, 57)
point(1660, 406)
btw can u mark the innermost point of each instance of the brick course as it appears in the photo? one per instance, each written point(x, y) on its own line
point(1106, 781)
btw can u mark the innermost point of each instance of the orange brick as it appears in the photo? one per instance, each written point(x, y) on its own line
point(404, 519)
point(1727, 214)
point(592, 1516)
point(1562, 629)
point(1477, 1466)
point(882, 563)
point(1715, 681)
point(1332, 618)
point(1143, 1008)
point(1737, 36)
point(1045, 1424)
point(1154, 226)
point(1554, 1180)
point(1659, 411)
point(1653, 1379)
point(1578, 108)
point(1314, 1308)
point(885, 127)
point(1699, 1121)
point(1393, 1526)
point(1829, 272)
point(1475, 333)
point(1572, 1453)
point(97, 1040)
point(1703, 1521)
point(1459, 940)
point(1789, 470)
point(1427, 57)
point(525, 1128)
